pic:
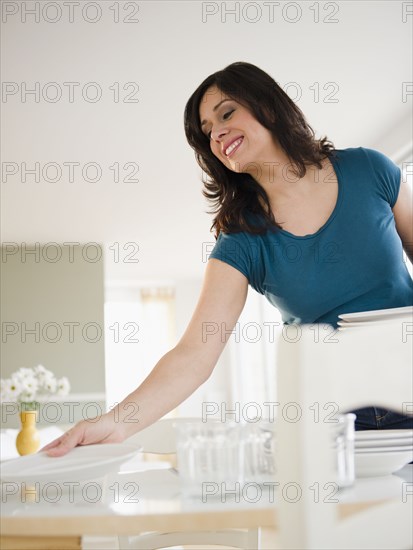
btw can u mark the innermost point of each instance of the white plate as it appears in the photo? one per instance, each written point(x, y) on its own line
point(382, 435)
point(84, 462)
point(384, 449)
point(377, 322)
point(380, 464)
point(377, 314)
point(374, 443)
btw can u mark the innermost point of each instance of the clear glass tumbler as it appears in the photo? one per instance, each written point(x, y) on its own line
point(258, 442)
point(209, 453)
point(344, 432)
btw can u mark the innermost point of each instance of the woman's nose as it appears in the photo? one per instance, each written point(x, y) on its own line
point(218, 133)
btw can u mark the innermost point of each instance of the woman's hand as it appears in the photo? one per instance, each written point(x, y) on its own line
point(102, 429)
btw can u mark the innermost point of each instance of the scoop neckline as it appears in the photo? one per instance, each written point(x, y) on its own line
point(337, 173)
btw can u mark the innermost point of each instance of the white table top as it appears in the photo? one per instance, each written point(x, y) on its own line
point(130, 502)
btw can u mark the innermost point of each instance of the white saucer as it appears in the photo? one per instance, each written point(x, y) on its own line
point(84, 462)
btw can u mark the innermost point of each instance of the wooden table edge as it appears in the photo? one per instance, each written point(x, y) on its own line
point(109, 525)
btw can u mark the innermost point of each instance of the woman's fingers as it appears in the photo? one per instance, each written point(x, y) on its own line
point(50, 445)
point(64, 443)
point(98, 430)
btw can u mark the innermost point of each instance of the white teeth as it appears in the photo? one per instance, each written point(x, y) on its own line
point(232, 146)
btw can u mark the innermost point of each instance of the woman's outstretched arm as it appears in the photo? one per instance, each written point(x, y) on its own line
point(179, 372)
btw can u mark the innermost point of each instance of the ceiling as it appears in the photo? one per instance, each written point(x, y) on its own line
point(347, 76)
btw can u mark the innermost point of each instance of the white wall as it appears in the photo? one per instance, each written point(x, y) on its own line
point(52, 314)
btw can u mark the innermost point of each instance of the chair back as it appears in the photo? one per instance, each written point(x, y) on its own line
point(322, 372)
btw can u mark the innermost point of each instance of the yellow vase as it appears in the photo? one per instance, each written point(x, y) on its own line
point(28, 439)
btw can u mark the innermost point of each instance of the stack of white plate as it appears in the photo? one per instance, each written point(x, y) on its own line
point(352, 321)
point(382, 452)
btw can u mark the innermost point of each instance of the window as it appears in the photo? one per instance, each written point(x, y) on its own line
point(253, 352)
point(139, 329)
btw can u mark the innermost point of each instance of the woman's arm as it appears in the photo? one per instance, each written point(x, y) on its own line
point(403, 214)
point(179, 372)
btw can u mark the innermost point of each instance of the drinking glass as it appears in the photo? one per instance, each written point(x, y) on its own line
point(258, 442)
point(209, 453)
point(343, 434)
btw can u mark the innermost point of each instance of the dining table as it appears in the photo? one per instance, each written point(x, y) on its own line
point(373, 363)
point(145, 496)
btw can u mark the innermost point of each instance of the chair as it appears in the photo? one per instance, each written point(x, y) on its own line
point(159, 438)
point(369, 366)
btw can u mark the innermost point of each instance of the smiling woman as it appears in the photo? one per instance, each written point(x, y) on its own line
point(319, 231)
point(283, 202)
point(276, 142)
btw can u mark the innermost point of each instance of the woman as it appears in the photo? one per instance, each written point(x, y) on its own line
point(319, 231)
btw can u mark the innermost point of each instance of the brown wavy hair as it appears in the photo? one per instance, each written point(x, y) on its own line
point(235, 196)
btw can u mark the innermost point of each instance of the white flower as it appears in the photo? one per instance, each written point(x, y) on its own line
point(4, 394)
point(40, 372)
point(46, 380)
point(63, 386)
point(24, 374)
point(27, 396)
point(49, 384)
point(10, 390)
point(27, 381)
point(40, 369)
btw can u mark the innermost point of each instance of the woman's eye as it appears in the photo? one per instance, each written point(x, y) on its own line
point(225, 116)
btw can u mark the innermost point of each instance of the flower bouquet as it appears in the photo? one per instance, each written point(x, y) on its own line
point(28, 387)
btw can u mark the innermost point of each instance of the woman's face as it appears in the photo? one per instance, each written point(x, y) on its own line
point(237, 139)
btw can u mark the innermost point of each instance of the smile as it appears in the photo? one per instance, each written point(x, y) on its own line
point(234, 145)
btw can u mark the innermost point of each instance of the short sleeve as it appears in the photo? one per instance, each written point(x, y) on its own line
point(388, 175)
point(232, 248)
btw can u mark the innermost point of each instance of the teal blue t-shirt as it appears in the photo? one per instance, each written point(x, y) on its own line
point(354, 262)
